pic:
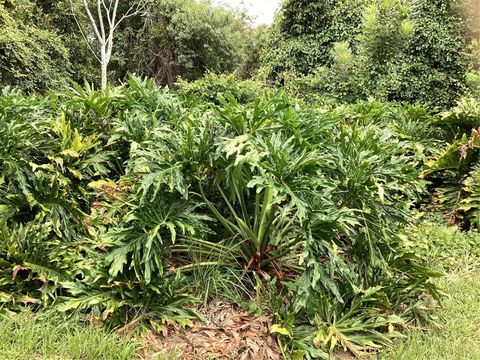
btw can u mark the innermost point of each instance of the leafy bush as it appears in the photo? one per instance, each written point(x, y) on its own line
point(112, 200)
point(211, 86)
point(32, 56)
point(454, 170)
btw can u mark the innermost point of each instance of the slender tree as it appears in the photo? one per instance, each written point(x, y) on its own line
point(104, 18)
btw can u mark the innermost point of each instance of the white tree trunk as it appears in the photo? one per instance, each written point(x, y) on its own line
point(104, 75)
point(103, 67)
point(104, 30)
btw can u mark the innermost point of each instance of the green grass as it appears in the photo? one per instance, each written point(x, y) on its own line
point(459, 334)
point(45, 337)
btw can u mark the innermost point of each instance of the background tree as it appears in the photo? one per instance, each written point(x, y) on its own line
point(255, 39)
point(103, 21)
point(304, 32)
point(60, 17)
point(32, 54)
point(435, 57)
point(400, 50)
point(185, 38)
point(40, 49)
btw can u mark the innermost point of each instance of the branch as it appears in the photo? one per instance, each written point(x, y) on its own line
point(115, 7)
point(112, 28)
point(82, 32)
point(100, 18)
point(132, 11)
point(92, 22)
point(107, 10)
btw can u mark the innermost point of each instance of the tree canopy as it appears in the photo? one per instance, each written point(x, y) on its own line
point(398, 50)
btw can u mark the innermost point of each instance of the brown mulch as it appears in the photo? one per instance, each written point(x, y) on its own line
point(226, 332)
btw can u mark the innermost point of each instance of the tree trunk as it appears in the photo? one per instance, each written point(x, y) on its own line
point(104, 75)
point(103, 66)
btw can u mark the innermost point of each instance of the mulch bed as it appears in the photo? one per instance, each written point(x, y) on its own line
point(226, 332)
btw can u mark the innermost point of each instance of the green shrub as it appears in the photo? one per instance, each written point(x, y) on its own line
point(32, 57)
point(304, 33)
point(211, 86)
point(112, 200)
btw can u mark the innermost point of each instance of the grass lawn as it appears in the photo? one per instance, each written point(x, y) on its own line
point(459, 335)
point(44, 338)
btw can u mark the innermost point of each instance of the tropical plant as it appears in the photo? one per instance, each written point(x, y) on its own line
point(115, 203)
point(454, 170)
point(46, 165)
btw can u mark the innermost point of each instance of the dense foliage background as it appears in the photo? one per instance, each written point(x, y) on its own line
point(352, 49)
